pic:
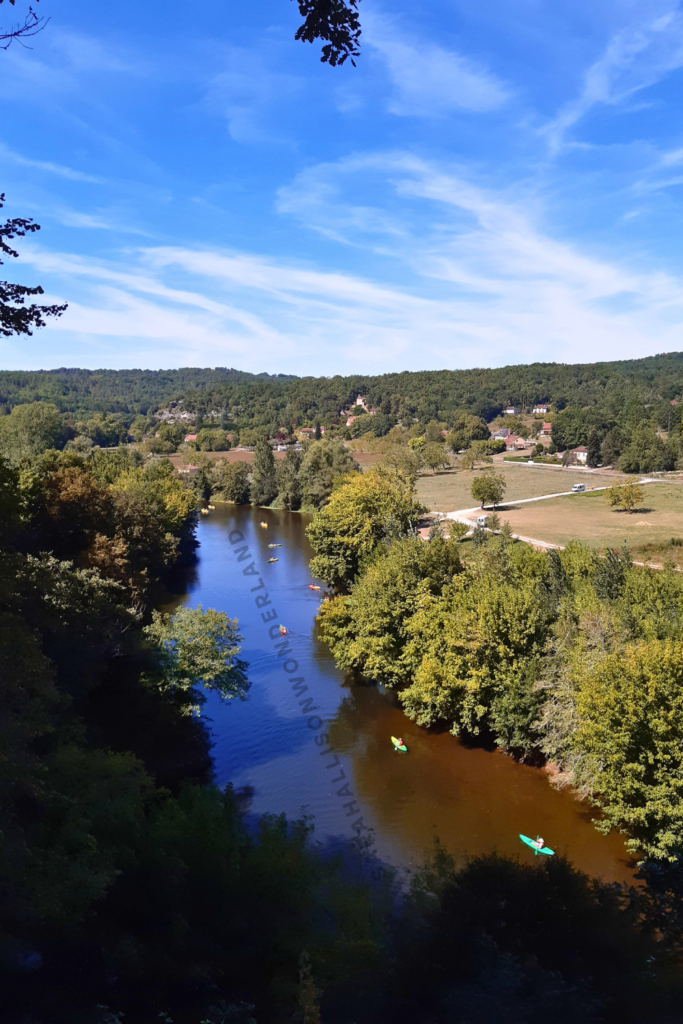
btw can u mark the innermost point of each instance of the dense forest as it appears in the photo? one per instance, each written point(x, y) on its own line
point(255, 399)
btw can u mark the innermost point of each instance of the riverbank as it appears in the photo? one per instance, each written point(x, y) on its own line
point(475, 800)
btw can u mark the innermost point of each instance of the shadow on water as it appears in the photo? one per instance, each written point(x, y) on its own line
point(469, 794)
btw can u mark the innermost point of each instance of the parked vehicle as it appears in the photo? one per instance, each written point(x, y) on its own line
point(578, 487)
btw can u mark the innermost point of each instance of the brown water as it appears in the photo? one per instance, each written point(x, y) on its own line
point(274, 747)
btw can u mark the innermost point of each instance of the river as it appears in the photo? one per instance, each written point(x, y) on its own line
point(272, 745)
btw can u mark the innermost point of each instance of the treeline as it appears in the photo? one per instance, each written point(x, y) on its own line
point(274, 401)
point(564, 656)
point(303, 479)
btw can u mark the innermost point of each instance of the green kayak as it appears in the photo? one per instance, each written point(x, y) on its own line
point(534, 847)
point(399, 746)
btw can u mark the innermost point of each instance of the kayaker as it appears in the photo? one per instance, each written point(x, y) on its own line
point(540, 843)
point(400, 742)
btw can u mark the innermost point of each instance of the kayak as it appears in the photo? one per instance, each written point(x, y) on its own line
point(275, 545)
point(272, 559)
point(532, 844)
point(211, 507)
point(264, 526)
point(312, 586)
point(204, 511)
point(283, 630)
point(398, 745)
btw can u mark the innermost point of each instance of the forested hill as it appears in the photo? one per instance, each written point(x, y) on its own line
point(262, 398)
point(117, 391)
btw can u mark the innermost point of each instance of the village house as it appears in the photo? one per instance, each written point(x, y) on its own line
point(189, 471)
point(547, 430)
point(579, 455)
point(540, 410)
point(511, 410)
point(190, 437)
point(502, 434)
point(514, 443)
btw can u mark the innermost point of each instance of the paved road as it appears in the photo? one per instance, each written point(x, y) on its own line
point(469, 515)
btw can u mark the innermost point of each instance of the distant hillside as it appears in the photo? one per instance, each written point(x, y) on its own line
point(605, 388)
point(129, 392)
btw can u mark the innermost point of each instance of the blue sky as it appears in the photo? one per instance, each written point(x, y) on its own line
point(493, 183)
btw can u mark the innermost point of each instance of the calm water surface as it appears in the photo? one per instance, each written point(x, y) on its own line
point(475, 801)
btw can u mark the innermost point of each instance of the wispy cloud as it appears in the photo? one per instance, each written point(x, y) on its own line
point(248, 93)
point(472, 279)
point(48, 167)
point(636, 57)
point(428, 80)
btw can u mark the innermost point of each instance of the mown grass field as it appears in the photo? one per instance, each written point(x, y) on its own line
point(450, 490)
point(587, 517)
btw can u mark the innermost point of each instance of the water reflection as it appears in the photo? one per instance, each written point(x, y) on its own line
point(474, 800)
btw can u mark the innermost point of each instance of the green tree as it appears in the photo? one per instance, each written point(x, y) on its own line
point(324, 462)
point(478, 452)
point(198, 648)
point(625, 496)
point(489, 489)
point(289, 486)
point(368, 509)
point(30, 430)
point(630, 744)
point(434, 456)
point(594, 449)
point(263, 483)
point(465, 430)
point(433, 433)
point(469, 650)
point(458, 531)
point(231, 482)
point(367, 631)
point(210, 439)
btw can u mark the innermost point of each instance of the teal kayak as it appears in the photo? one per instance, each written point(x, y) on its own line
point(399, 746)
point(534, 847)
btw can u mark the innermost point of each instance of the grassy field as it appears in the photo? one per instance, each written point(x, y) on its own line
point(588, 517)
point(450, 490)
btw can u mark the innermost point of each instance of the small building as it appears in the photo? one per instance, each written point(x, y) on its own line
point(540, 410)
point(350, 420)
point(511, 442)
point(579, 455)
point(674, 401)
point(502, 434)
point(190, 437)
point(511, 410)
point(189, 471)
point(547, 430)
point(307, 431)
point(520, 443)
